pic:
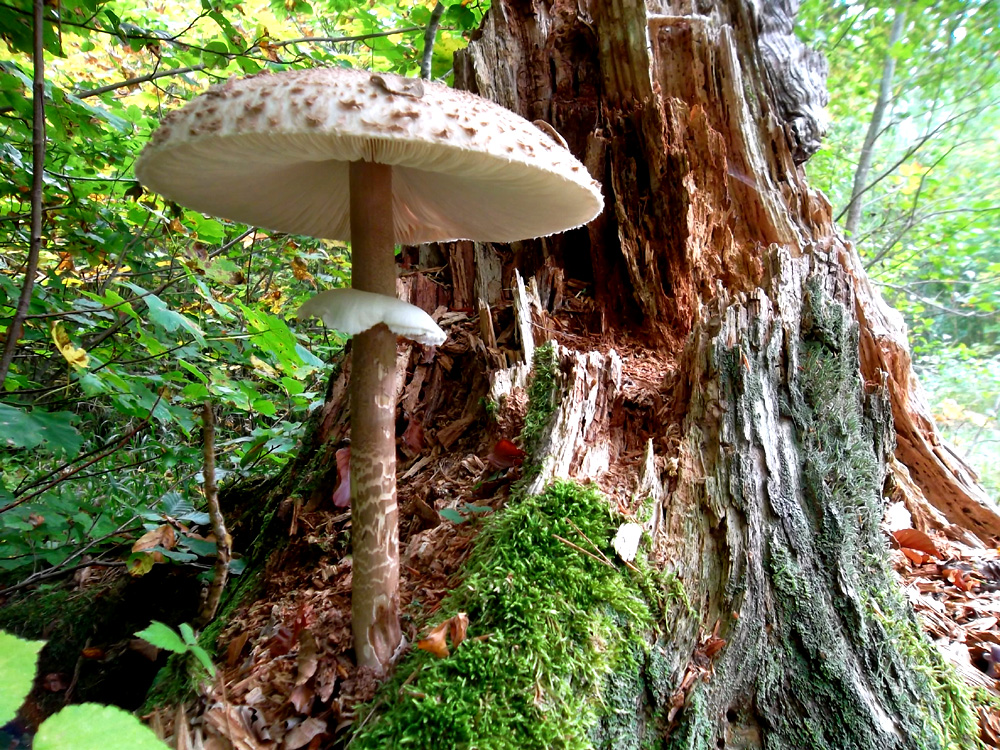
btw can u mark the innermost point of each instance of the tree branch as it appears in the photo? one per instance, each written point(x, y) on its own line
point(429, 34)
point(223, 544)
point(868, 148)
point(37, 187)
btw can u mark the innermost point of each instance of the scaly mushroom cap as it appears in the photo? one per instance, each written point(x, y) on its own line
point(273, 150)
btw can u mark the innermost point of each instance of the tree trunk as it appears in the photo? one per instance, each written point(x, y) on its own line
point(719, 351)
point(720, 277)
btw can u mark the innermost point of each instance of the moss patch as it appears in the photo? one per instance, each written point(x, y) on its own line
point(554, 624)
point(541, 396)
point(840, 618)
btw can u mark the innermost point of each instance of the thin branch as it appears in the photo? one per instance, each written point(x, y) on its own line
point(936, 305)
point(578, 548)
point(223, 544)
point(15, 328)
point(136, 80)
point(874, 125)
point(429, 34)
point(340, 39)
point(66, 474)
point(60, 568)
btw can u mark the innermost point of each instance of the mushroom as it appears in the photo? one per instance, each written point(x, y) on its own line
point(377, 160)
point(353, 311)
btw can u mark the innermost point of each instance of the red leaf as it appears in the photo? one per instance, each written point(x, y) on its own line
point(413, 435)
point(917, 540)
point(505, 455)
point(342, 495)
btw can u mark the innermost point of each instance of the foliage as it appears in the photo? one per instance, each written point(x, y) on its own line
point(18, 662)
point(186, 642)
point(929, 232)
point(88, 726)
point(548, 624)
point(141, 309)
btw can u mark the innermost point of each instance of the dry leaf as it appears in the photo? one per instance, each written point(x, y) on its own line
point(915, 557)
point(72, 354)
point(918, 540)
point(342, 495)
point(302, 698)
point(457, 627)
point(435, 641)
point(505, 455)
point(301, 735)
point(300, 270)
point(162, 536)
point(308, 659)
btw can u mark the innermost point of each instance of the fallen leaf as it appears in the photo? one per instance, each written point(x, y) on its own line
point(915, 539)
point(458, 625)
point(413, 436)
point(302, 698)
point(301, 735)
point(435, 642)
point(505, 455)
point(307, 660)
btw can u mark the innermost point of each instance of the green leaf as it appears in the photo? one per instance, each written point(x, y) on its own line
point(450, 514)
point(187, 633)
point(163, 636)
point(90, 726)
point(202, 656)
point(18, 664)
point(24, 429)
point(169, 320)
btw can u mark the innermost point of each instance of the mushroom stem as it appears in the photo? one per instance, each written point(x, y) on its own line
point(374, 518)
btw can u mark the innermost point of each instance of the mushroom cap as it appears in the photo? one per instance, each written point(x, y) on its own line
point(353, 311)
point(273, 150)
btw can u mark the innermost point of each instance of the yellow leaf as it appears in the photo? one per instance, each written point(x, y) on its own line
point(74, 355)
point(263, 367)
point(300, 271)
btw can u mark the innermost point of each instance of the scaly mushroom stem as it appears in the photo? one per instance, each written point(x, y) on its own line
point(374, 521)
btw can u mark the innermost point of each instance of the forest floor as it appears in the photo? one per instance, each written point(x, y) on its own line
point(955, 591)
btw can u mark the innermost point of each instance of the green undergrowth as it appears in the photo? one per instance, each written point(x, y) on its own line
point(548, 627)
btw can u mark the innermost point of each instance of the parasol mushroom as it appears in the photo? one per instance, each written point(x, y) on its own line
point(376, 159)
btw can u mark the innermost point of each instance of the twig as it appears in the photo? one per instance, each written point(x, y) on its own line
point(589, 540)
point(61, 569)
point(136, 80)
point(581, 549)
point(429, 34)
point(37, 186)
point(223, 544)
point(340, 39)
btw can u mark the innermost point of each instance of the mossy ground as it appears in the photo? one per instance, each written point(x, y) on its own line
point(548, 626)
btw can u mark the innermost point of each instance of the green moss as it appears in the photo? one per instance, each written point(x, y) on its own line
point(839, 612)
point(57, 610)
point(542, 395)
point(695, 730)
point(555, 626)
